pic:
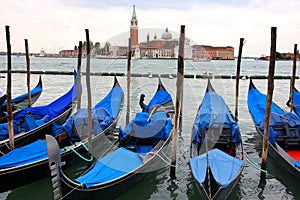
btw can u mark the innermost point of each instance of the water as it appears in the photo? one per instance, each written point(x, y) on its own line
point(278, 185)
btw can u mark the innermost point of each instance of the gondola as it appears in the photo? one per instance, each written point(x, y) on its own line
point(216, 151)
point(143, 147)
point(21, 102)
point(296, 102)
point(30, 163)
point(33, 123)
point(284, 141)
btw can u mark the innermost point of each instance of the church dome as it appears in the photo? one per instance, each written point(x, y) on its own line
point(166, 35)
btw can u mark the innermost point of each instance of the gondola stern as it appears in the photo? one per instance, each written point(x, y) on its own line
point(160, 85)
point(251, 84)
point(116, 82)
point(209, 86)
point(40, 83)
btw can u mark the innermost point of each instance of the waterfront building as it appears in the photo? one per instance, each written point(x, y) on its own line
point(73, 53)
point(163, 48)
point(215, 53)
point(118, 51)
point(167, 48)
point(159, 48)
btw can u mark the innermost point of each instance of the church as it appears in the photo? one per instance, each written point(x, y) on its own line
point(166, 47)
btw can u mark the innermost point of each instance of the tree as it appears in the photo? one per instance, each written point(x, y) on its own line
point(97, 48)
point(84, 45)
point(278, 55)
point(106, 48)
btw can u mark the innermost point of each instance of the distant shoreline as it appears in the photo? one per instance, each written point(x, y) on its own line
point(192, 76)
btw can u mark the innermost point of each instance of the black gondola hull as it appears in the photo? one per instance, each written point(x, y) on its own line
point(113, 189)
point(280, 158)
point(22, 139)
point(18, 176)
point(210, 189)
point(222, 194)
point(18, 106)
point(278, 153)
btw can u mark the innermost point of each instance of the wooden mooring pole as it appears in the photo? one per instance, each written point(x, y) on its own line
point(128, 80)
point(88, 86)
point(237, 78)
point(179, 98)
point(269, 100)
point(28, 72)
point(9, 102)
point(79, 75)
point(292, 86)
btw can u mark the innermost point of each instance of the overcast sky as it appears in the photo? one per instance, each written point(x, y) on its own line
point(59, 24)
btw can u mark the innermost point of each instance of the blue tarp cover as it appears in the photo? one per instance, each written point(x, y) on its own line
point(53, 109)
point(112, 101)
point(28, 123)
point(25, 155)
point(110, 167)
point(43, 113)
point(103, 115)
point(79, 121)
point(158, 126)
point(297, 164)
point(214, 110)
point(224, 167)
point(289, 118)
point(296, 102)
point(257, 105)
point(161, 97)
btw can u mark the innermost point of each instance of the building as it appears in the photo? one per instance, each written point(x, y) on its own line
point(210, 52)
point(73, 53)
point(166, 47)
point(134, 29)
point(288, 56)
point(159, 48)
point(118, 51)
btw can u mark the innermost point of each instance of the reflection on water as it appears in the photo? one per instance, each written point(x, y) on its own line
point(159, 185)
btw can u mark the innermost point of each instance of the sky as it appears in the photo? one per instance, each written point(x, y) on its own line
point(54, 25)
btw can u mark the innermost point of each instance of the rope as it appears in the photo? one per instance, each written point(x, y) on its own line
point(73, 189)
point(253, 164)
point(128, 111)
point(163, 159)
point(78, 154)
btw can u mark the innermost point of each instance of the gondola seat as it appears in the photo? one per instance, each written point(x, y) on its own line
point(290, 138)
point(218, 134)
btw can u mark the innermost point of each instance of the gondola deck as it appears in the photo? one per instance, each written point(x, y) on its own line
point(21, 102)
point(145, 139)
point(284, 141)
point(30, 162)
point(216, 154)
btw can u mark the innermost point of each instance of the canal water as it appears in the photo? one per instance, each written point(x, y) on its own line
point(278, 185)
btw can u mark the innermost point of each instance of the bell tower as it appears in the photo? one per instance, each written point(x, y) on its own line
point(134, 31)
